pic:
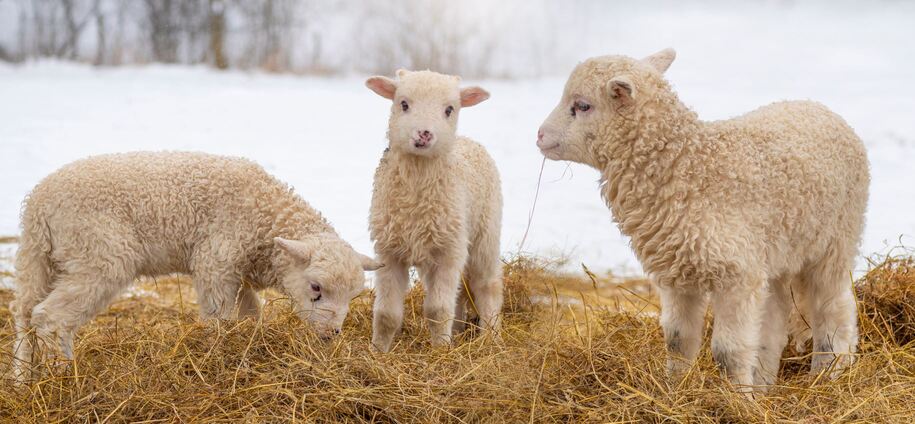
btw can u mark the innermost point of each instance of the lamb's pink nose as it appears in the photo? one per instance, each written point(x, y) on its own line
point(425, 136)
point(540, 142)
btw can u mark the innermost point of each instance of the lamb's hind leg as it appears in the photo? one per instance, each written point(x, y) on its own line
point(75, 300)
point(830, 304)
point(21, 309)
point(22, 346)
point(34, 280)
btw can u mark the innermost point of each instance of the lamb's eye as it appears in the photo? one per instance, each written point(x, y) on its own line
point(404, 105)
point(579, 106)
point(317, 289)
point(448, 111)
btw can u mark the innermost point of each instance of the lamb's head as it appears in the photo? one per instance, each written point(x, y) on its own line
point(425, 109)
point(604, 101)
point(322, 275)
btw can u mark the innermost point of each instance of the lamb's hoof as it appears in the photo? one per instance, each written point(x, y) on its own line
point(23, 374)
point(832, 365)
point(381, 346)
point(470, 327)
point(458, 328)
point(441, 342)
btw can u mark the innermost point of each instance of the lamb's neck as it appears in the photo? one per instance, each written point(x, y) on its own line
point(640, 178)
point(291, 218)
point(424, 172)
point(297, 221)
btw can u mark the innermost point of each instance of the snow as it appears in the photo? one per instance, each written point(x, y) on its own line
point(324, 135)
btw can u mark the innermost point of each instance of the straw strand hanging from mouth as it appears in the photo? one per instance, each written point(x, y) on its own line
point(530, 216)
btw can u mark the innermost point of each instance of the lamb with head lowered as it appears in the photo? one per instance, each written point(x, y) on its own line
point(92, 227)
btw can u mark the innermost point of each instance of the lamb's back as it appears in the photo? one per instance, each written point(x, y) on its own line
point(156, 194)
point(794, 147)
point(793, 168)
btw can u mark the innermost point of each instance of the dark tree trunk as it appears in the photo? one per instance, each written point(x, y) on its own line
point(101, 33)
point(217, 34)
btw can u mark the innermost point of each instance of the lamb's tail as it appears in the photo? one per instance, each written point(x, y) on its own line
point(33, 284)
point(33, 264)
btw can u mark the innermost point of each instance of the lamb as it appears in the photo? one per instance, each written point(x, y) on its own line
point(92, 227)
point(436, 205)
point(747, 209)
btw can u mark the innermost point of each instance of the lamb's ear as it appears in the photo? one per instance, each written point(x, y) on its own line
point(383, 86)
point(298, 249)
point(661, 60)
point(473, 95)
point(621, 89)
point(369, 264)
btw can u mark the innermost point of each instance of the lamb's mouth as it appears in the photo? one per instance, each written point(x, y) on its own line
point(420, 144)
point(549, 149)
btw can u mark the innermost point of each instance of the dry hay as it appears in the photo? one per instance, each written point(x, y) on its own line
point(149, 359)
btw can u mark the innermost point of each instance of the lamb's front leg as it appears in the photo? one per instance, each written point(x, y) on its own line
point(441, 298)
point(216, 295)
point(216, 280)
point(248, 302)
point(391, 284)
point(773, 331)
point(682, 319)
point(735, 333)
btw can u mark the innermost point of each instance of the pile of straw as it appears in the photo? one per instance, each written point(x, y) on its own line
point(149, 359)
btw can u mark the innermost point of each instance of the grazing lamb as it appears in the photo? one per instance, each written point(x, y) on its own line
point(436, 205)
point(92, 227)
point(738, 208)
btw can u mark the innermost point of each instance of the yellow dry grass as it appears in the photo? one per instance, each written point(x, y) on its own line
point(149, 359)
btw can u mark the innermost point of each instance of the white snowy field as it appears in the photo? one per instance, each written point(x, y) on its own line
point(324, 136)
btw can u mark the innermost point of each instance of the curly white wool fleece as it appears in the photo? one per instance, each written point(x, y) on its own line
point(436, 207)
point(747, 209)
point(92, 227)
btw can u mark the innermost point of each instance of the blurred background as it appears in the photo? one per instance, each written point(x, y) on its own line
point(473, 38)
point(281, 82)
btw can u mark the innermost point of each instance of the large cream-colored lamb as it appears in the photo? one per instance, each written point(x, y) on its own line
point(92, 227)
point(746, 209)
point(437, 205)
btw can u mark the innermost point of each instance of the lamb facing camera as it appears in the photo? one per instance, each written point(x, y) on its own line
point(436, 205)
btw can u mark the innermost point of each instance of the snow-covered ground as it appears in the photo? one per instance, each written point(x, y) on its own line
point(325, 135)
